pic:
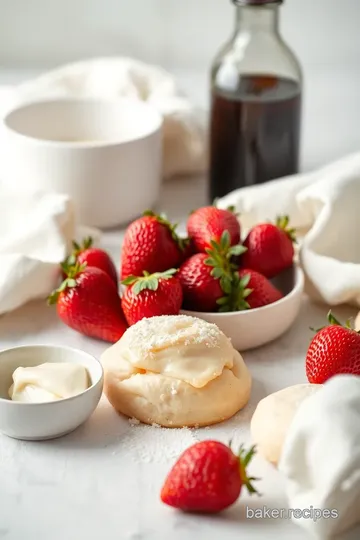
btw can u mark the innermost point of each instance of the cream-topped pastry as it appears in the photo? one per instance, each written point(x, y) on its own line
point(48, 382)
point(176, 371)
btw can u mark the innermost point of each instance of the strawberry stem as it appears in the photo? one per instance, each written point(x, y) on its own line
point(148, 281)
point(221, 259)
point(283, 223)
point(245, 457)
point(333, 321)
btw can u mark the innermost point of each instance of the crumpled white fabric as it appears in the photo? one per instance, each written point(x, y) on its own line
point(321, 458)
point(36, 234)
point(325, 206)
point(184, 125)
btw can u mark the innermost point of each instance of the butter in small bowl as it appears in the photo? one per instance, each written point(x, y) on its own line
point(47, 391)
point(48, 382)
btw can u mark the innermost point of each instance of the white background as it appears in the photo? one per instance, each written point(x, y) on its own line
point(181, 33)
point(184, 35)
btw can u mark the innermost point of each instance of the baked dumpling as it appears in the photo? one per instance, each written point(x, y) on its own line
point(176, 371)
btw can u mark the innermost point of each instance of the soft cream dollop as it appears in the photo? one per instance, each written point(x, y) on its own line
point(321, 458)
point(48, 382)
point(176, 371)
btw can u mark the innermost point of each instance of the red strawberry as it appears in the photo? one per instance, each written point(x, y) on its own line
point(334, 350)
point(209, 223)
point(88, 302)
point(189, 250)
point(95, 257)
point(150, 245)
point(256, 289)
point(201, 289)
point(152, 295)
point(208, 477)
point(270, 248)
point(206, 278)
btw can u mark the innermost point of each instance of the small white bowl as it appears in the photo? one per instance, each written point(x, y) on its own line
point(105, 154)
point(41, 421)
point(256, 327)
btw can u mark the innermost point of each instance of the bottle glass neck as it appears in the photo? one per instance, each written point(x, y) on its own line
point(257, 18)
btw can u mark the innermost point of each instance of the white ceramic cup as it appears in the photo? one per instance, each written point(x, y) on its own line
point(105, 154)
point(41, 421)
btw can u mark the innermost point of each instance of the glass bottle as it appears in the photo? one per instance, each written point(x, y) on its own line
point(256, 102)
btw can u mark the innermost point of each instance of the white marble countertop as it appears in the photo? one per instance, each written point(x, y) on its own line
point(105, 478)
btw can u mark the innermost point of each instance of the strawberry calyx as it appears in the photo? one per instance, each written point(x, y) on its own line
point(333, 321)
point(71, 272)
point(162, 218)
point(220, 257)
point(148, 281)
point(236, 299)
point(79, 248)
point(245, 457)
point(282, 222)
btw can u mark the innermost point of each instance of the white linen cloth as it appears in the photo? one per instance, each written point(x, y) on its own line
point(321, 459)
point(36, 233)
point(325, 206)
point(184, 125)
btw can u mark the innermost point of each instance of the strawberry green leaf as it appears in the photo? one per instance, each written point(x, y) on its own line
point(148, 281)
point(283, 223)
point(130, 280)
point(225, 240)
point(217, 272)
point(223, 301)
point(87, 242)
point(235, 251)
point(332, 320)
point(245, 280)
point(76, 246)
point(245, 458)
point(68, 283)
point(225, 283)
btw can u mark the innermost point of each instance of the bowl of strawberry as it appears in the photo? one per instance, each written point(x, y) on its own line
point(248, 285)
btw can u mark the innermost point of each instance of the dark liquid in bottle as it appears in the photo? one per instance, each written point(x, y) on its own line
point(254, 133)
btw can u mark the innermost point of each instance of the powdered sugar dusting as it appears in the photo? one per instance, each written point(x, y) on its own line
point(148, 444)
point(166, 331)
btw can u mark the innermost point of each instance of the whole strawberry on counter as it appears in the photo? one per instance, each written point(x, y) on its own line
point(270, 248)
point(208, 224)
point(206, 278)
point(92, 256)
point(151, 295)
point(208, 478)
point(151, 244)
point(334, 350)
point(87, 301)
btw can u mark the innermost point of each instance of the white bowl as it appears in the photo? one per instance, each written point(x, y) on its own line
point(256, 327)
point(105, 154)
point(41, 421)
